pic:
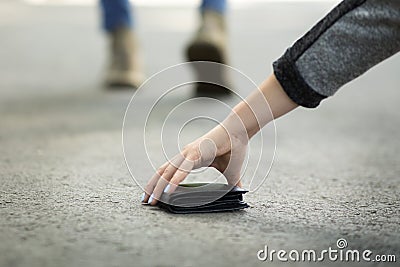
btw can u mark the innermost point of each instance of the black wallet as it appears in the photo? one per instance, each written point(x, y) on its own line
point(203, 198)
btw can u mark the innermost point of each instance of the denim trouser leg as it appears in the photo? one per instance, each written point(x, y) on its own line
point(216, 5)
point(116, 13)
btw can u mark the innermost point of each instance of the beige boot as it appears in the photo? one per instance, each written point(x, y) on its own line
point(209, 44)
point(124, 70)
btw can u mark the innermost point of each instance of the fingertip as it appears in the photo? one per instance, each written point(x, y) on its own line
point(172, 188)
point(145, 199)
point(166, 189)
point(150, 199)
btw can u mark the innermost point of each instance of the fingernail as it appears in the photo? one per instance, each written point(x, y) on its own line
point(142, 198)
point(150, 199)
point(167, 188)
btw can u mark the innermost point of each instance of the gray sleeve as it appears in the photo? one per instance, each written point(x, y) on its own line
point(355, 36)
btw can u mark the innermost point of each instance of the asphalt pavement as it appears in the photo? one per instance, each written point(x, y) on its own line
point(67, 198)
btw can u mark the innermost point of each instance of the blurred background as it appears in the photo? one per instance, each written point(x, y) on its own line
point(67, 199)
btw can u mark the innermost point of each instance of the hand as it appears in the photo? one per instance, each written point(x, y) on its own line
point(218, 149)
point(224, 147)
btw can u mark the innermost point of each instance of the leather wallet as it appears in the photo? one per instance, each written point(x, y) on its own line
point(203, 198)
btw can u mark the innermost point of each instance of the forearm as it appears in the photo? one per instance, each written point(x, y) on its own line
point(263, 105)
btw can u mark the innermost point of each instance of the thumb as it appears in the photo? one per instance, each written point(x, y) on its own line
point(232, 172)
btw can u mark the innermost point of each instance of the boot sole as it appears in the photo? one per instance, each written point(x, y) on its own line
point(204, 52)
point(120, 85)
point(122, 80)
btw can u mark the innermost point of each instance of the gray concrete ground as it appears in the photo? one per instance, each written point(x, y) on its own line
point(66, 197)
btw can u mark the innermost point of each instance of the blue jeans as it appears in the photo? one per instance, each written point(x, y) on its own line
point(117, 13)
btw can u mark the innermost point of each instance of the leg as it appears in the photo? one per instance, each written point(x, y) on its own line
point(116, 14)
point(209, 44)
point(124, 70)
point(214, 5)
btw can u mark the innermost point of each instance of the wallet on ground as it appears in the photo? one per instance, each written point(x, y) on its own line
point(203, 198)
